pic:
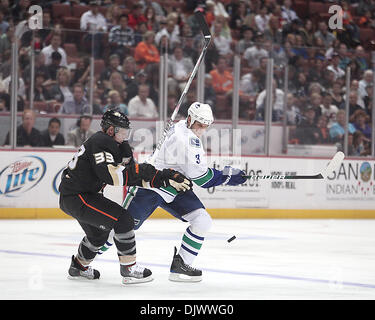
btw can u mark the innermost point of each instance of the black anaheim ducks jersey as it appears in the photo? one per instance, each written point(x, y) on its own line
point(95, 164)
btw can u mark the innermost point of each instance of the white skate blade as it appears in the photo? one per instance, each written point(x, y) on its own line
point(132, 280)
point(178, 277)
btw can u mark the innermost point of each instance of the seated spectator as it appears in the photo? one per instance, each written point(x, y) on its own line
point(223, 44)
point(94, 24)
point(27, 135)
point(337, 97)
point(55, 46)
point(141, 105)
point(121, 37)
point(334, 66)
point(349, 23)
point(136, 16)
point(293, 113)
point(82, 72)
point(114, 66)
point(152, 19)
point(360, 121)
point(78, 104)
point(328, 109)
point(358, 146)
point(360, 58)
point(79, 135)
point(238, 16)
point(277, 106)
point(171, 30)
point(246, 41)
point(40, 92)
point(337, 130)
point(115, 102)
point(323, 130)
point(180, 68)
point(262, 18)
point(61, 92)
point(222, 78)
point(142, 78)
point(353, 103)
point(272, 31)
point(363, 83)
point(129, 69)
point(307, 131)
point(145, 52)
point(54, 66)
point(315, 101)
point(288, 13)
point(39, 66)
point(155, 5)
point(253, 54)
point(116, 82)
point(327, 37)
point(52, 136)
point(250, 83)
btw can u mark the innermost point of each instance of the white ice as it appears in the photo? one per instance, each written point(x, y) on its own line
point(269, 259)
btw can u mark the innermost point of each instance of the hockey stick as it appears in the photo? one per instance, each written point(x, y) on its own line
point(332, 165)
point(207, 38)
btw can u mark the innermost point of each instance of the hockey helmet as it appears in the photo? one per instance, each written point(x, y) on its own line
point(114, 118)
point(200, 112)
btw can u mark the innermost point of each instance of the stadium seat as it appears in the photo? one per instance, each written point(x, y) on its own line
point(40, 106)
point(71, 49)
point(61, 10)
point(318, 7)
point(366, 35)
point(301, 8)
point(79, 10)
point(71, 23)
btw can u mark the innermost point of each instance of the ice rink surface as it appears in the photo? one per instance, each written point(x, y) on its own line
point(269, 259)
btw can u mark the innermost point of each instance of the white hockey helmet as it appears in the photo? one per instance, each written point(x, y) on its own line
point(200, 112)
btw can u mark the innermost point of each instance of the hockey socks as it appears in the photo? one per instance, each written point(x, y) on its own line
point(190, 246)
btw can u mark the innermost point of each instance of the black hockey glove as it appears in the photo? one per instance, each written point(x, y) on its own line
point(126, 154)
point(169, 177)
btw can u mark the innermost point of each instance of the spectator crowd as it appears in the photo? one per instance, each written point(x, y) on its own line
point(127, 38)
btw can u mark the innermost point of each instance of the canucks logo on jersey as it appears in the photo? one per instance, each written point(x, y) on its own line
point(195, 142)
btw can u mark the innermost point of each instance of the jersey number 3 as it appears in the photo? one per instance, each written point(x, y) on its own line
point(197, 156)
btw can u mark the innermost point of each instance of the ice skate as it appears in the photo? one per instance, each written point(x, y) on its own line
point(182, 272)
point(135, 274)
point(78, 271)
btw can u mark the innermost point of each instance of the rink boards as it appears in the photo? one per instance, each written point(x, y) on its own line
point(29, 182)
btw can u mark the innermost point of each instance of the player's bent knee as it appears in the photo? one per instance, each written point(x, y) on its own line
point(200, 221)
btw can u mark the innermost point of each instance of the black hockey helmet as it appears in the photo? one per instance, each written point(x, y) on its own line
point(114, 118)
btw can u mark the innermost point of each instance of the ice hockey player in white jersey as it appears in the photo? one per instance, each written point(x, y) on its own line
point(183, 151)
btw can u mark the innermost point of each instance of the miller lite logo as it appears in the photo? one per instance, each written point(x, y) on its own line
point(21, 175)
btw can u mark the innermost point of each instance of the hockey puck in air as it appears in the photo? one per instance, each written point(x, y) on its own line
point(231, 239)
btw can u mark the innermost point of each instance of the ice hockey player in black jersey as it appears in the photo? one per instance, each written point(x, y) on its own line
point(106, 158)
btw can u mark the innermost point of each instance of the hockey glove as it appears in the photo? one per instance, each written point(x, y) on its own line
point(177, 180)
point(234, 176)
point(126, 153)
point(169, 177)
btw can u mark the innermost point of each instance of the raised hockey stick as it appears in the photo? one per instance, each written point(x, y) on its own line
point(332, 165)
point(207, 38)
